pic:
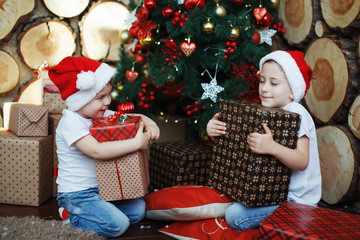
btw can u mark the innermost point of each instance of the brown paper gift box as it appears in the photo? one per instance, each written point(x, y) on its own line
point(178, 163)
point(25, 166)
point(54, 103)
point(28, 120)
point(53, 123)
point(124, 177)
point(253, 179)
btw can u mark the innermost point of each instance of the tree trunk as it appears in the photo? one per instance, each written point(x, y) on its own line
point(9, 72)
point(340, 14)
point(335, 81)
point(62, 8)
point(354, 117)
point(339, 161)
point(46, 41)
point(100, 28)
point(12, 13)
point(298, 17)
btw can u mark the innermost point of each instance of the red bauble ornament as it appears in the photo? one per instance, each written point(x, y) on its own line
point(191, 4)
point(263, 17)
point(126, 107)
point(187, 48)
point(237, 3)
point(167, 12)
point(140, 58)
point(131, 75)
point(256, 38)
point(150, 4)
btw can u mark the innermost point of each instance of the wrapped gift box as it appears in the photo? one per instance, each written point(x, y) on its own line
point(28, 120)
point(53, 123)
point(179, 163)
point(125, 177)
point(253, 179)
point(52, 99)
point(25, 166)
point(298, 221)
point(104, 129)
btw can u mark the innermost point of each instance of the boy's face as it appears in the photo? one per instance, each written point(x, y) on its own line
point(97, 107)
point(274, 88)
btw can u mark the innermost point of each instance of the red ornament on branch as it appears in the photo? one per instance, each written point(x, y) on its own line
point(191, 4)
point(150, 4)
point(126, 107)
point(237, 3)
point(263, 17)
point(131, 75)
point(187, 48)
point(167, 12)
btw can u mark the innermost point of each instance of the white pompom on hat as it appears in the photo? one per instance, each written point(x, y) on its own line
point(79, 79)
point(296, 70)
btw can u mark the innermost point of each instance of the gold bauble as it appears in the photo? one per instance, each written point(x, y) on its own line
point(119, 87)
point(208, 27)
point(234, 33)
point(124, 37)
point(220, 11)
point(274, 3)
point(146, 41)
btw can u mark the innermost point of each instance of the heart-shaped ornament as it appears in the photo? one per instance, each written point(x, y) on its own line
point(259, 13)
point(131, 75)
point(187, 48)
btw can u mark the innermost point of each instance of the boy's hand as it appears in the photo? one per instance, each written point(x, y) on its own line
point(261, 143)
point(215, 127)
point(142, 138)
point(153, 131)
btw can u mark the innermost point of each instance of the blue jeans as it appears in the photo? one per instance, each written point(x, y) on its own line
point(108, 219)
point(239, 217)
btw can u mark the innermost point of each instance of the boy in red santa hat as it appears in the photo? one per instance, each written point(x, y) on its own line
point(85, 85)
point(284, 80)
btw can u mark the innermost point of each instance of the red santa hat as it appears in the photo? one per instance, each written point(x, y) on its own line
point(79, 79)
point(297, 72)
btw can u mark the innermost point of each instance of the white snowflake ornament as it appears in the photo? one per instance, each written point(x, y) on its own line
point(266, 36)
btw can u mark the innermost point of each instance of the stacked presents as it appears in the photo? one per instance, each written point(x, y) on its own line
point(28, 150)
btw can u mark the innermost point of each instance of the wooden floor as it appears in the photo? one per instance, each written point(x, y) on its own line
point(147, 229)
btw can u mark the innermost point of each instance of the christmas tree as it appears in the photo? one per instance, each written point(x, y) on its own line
point(191, 53)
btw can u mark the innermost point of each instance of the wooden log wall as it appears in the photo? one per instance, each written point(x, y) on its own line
point(327, 31)
point(35, 31)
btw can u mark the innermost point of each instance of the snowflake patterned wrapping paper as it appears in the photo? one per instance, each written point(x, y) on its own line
point(25, 166)
point(179, 163)
point(298, 221)
point(28, 120)
point(253, 179)
point(125, 177)
point(105, 130)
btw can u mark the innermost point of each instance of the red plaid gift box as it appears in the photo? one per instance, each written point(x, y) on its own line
point(108, 129)
point(298, 221)
point(51, 89)
point(124, 177)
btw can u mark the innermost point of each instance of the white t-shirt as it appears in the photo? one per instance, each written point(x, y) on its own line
point(305, 186)
point(76, 170)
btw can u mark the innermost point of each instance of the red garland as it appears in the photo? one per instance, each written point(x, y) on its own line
point(142, 26)
point(171, 48)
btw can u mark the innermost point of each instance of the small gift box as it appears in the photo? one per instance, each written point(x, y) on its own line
point(52, 99)
point(113, 128)
point(298, 221)
point(253, 179)
point(28, 120)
